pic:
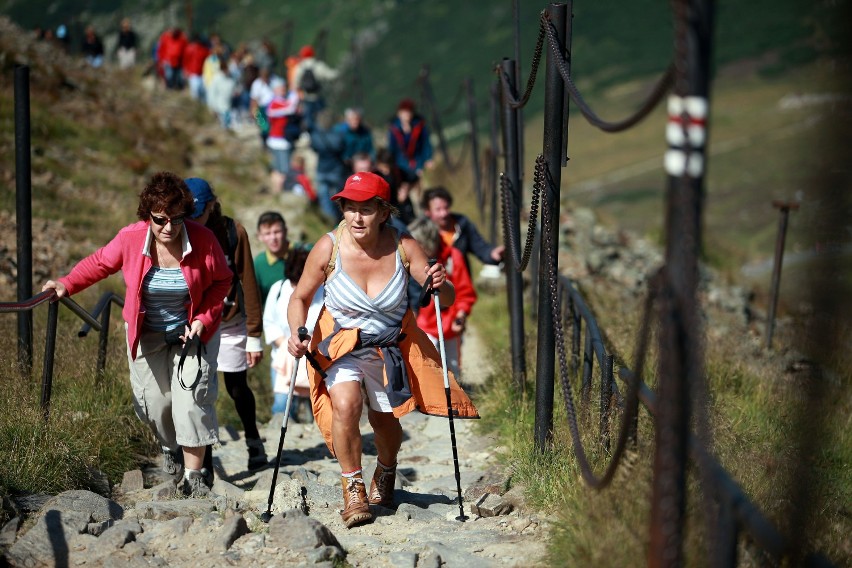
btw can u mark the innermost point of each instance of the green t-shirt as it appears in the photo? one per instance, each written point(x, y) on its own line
point(268, 269)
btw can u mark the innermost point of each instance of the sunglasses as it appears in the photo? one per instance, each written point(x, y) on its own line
point(161, 221)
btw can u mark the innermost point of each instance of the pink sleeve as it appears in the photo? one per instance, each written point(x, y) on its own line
point(95, 267)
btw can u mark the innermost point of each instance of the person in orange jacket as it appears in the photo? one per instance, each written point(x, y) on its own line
point(364, 329)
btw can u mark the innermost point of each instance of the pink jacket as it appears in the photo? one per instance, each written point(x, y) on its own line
point(203, 265)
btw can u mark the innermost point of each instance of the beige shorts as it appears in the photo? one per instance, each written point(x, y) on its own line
point(178, 417)
point(369, 371)
point(233, 337)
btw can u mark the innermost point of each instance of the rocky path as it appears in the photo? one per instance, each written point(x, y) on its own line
point(145, 524)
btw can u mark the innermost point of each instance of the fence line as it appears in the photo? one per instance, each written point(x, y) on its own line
point(99, 321)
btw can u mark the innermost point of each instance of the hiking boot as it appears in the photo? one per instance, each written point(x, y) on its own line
point(356, 509)
point(197, 483)
point(381, 488)
point(173, 463)
point(257, 454)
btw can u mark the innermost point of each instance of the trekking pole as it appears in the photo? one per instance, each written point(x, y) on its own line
point(435, 292)
point(267, 516)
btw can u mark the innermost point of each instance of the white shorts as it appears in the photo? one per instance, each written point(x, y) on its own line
point(369, 371)
point(232, 347)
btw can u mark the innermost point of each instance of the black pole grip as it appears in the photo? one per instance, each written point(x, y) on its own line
point(303, 333)
point(424, 292)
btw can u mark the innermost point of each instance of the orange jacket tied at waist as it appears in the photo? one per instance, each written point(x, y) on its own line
point(422, 363)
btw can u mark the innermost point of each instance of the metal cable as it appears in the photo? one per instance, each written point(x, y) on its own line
point(632, 398)
point(645, 109)
point(456, 100)
point(536, 60)
point(521, 262)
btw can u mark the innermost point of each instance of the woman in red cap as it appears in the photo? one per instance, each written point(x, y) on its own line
point(363, 331)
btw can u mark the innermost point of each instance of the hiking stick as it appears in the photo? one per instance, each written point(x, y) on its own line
point(462, 517)
point(267, 516)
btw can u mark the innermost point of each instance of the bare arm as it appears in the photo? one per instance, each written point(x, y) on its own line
point(423, 273)
point(312, 277)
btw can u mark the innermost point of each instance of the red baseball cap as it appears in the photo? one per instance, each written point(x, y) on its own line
point(363, 186)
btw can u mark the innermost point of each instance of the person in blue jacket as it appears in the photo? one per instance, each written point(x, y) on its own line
point(408, 141)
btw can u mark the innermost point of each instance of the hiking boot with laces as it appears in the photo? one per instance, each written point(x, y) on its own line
point(197, 483)
point(173, 463)
point(356, 509)
point(257, 454)
point(381, 488)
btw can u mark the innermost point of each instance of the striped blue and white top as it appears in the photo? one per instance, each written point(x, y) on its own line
point(164, 297)
point(351, 307)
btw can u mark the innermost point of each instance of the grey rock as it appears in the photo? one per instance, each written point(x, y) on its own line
point(166, 510)
point(298, 532)
point(491, 482)
point(46, 543)
point(304, 476)
point(9, 532)
point(226, 489)
point(98, 507)
point(163, 492)
point(112, 540)
point(331, 554)
point(491, 505)
point(234, 528)
point(402, 559)
point(429, 559)
point(31, 503)
point(452, 556)
point(412, 511)
point(132, 480)
point(97, 529)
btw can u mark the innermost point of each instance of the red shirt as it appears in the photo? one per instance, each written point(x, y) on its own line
point(459, 275)
point(194, 56)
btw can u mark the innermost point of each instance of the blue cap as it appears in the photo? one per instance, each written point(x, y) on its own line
point(201, 194)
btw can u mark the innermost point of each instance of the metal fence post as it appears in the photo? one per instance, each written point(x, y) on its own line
point(514, 279)
point(49, 352)
point(103, 338)
point(606, 396)
point(494, 159)
point(680, 365)
point(552, 151)
point(24, 212)
point(785, 208)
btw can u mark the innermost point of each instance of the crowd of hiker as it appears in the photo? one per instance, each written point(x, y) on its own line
point(199, 302)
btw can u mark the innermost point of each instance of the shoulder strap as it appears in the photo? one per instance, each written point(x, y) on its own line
point(333, 260)
point(232, 253)
point(402, 255)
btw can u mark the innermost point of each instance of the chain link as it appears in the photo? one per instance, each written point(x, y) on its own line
point(632, 399)
point(650, 103)
point(509, 213)
point(536, 60)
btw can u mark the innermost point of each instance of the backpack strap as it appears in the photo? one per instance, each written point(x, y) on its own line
point(402, 255)
point(329, 269)
point(232, 252)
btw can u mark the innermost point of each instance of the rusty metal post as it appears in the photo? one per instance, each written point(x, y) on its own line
point(514, 279)
point(188, 7)
point(785, 208)
point(588, 369)
point(49, 352)
point(320, 43)
point(681, 365)
point(24, 214)
point(516, 13)
point(494, 158)
point(103, 337)
point(554, 113)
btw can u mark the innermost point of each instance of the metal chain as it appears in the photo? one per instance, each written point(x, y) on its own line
point(650, 103)
point(536, 60)
point(508, 208)
point(632, 400)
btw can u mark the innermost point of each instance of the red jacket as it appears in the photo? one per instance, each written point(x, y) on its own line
point(203, 265)
point(171, 49)
point(193, 58)
point(459, 275)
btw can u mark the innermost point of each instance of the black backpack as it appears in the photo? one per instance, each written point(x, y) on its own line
point(232, 251)
point(309, 83)
point(293, 128)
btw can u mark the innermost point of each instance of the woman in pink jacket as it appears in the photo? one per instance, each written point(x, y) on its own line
point(177, 278)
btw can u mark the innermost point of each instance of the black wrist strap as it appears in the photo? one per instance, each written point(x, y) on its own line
point(196, 341)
